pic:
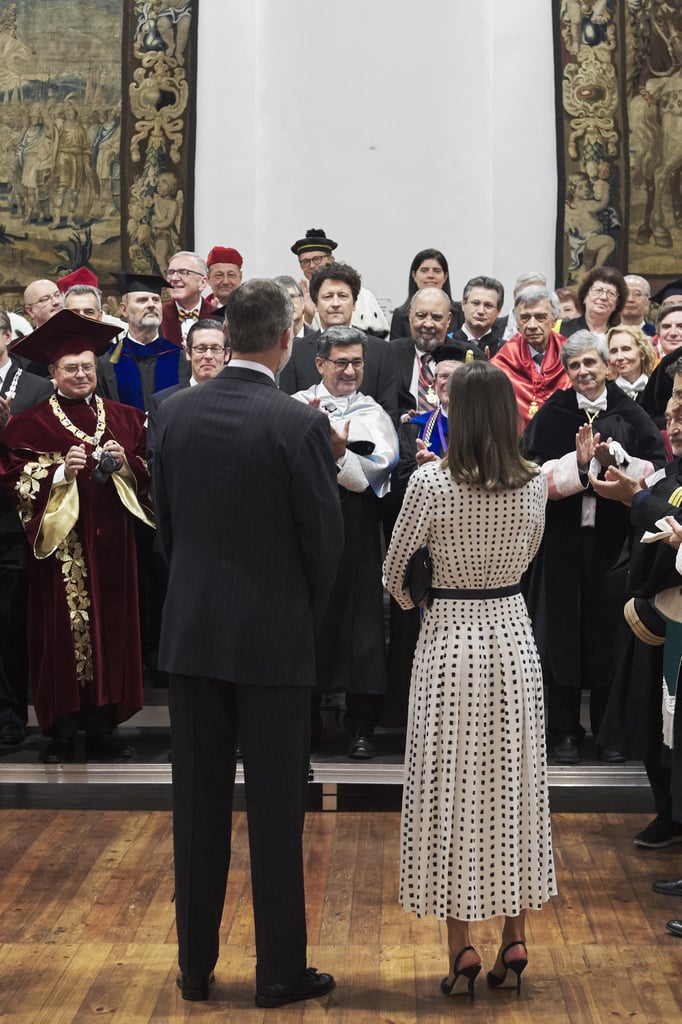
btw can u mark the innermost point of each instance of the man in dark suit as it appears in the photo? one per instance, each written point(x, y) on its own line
point(334, 288)
point(250, 521)
point(206, 352)
point(482, 301)
point(18, 390)
point(429, 318)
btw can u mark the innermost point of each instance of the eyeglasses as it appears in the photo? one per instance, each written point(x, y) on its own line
point(229, 275)
point(313, 261)
point(608, 293)
point(343, 364)
point(73, 368)
point(47, 298)
point(420, 316)
point(182, 272)
point(201, 350)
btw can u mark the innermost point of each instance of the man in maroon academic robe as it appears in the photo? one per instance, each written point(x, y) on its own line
point(74, 467)
point(531, 359)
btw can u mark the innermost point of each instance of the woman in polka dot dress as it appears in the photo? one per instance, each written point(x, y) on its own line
point(475, 832)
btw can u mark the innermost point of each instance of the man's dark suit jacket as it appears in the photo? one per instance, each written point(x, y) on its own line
point(154, 404)
point(492, 340)
point(402, 351)
point(378, 380)
point(170, 324)
point(249, 518)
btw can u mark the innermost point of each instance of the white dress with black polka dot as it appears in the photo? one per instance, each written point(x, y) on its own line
point(476, 835)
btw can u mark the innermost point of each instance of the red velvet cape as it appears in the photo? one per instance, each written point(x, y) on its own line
point(83, 621)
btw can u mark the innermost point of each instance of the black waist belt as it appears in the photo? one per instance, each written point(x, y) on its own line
point(476, 595)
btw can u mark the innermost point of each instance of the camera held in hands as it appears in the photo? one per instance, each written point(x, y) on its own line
point(107, 465)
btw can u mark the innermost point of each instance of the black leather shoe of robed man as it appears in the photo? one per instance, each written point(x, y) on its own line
point(58, 751)
point(107, 747)
point(361, 748)
point(310, 985)
point(668, 888)
point(195, 986)
point(675, 928)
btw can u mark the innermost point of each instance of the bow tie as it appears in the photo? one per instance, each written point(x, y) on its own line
point(593, 405)
point(188, 314)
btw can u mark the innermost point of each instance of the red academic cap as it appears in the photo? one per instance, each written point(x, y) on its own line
point(66, 333)
point(221, 254)
point(80, 276)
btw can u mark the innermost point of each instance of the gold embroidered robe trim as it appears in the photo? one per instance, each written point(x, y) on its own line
point(61, 511)
point(74, 573)
point(126, 488)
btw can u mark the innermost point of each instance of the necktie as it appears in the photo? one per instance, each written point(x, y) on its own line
point(188, 314)
point(426, 395)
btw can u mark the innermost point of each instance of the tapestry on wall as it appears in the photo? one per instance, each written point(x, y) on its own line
point(619, 131)
point(97, 122)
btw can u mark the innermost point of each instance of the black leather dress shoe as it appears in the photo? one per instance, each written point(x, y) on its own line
point(675, 928)
point(609, 756)
point(565, 750)
point(668, 888)
point(12, 733)
point(58, 751)
point(195, 986)
point(107, 747)
point(309, 986)
point(361, 748)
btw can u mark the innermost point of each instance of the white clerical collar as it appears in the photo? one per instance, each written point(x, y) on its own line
point(248, 364)
point(142, 343)
point(4, 370)
point(598, 404)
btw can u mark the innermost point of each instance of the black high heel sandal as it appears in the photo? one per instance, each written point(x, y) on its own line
point(467, 976)
point(517, 967)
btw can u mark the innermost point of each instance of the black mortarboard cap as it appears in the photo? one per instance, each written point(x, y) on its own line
point(315, 241)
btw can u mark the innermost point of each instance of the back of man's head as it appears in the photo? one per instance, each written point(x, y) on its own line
point(256, 314)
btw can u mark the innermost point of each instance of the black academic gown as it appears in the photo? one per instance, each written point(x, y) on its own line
point(574, 602)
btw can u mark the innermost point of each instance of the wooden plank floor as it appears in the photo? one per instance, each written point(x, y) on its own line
point(87, 928)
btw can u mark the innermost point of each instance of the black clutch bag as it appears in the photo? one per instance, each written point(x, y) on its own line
point(418, 575)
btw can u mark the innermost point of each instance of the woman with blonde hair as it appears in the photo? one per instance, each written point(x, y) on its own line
point(632, 357)
point(476, 837)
